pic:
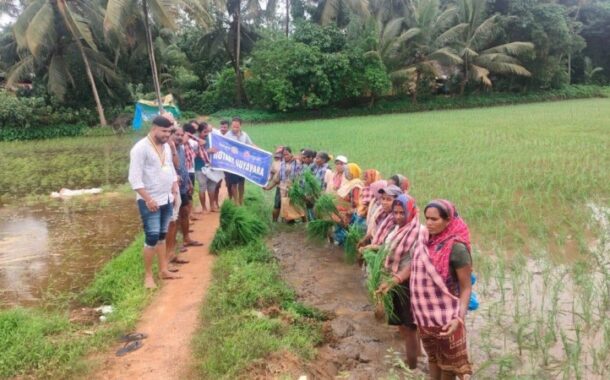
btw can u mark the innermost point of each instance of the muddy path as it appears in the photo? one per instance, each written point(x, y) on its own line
point(359, 346)
point(170, 320)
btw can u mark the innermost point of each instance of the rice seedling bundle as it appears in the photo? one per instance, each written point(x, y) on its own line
point(325, 206)
point(319, 229)
point(305, 190)
point(355, 233)
point(238, 226)
point(376, 276)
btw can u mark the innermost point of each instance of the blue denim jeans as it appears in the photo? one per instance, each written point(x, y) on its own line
point(155, 223)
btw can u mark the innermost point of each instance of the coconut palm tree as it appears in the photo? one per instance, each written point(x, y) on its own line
point(163, 12)
point(329, 10)
point(412, 44)
point(471, 39)
point(46, 32)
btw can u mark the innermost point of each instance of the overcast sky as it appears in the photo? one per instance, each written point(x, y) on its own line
point(5, 19)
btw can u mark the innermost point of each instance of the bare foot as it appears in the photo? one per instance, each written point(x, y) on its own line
point(149, 283)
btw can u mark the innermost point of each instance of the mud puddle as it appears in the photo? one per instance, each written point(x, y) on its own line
point(359, 344)
point(57, 246)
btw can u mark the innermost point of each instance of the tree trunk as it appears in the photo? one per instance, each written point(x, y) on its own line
point(238, 85)
point(464, 79)
point(414, 94)
point(287, 17)
point(151, 55)
point(96, 97)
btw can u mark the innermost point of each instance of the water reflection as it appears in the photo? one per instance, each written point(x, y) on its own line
point(58, 246)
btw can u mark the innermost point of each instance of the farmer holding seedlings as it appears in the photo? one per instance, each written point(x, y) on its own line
point(444, 271)
point(290, 168)
point(153, 177)
point(320, 169)
point(349, 199)
point(382, 219)
point(406, 235)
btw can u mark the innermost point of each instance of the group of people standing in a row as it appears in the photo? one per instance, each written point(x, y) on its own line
point(429, 266)
point(163, 169)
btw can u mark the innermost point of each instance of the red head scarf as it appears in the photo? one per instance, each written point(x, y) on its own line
point(440, 245)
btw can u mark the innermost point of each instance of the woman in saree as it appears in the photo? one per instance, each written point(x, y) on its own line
point(406, 236)
point(444, 271)
point(349, 198)
point(380, 217)
point(370, 176)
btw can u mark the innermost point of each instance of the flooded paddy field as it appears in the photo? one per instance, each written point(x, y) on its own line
point(56, 246)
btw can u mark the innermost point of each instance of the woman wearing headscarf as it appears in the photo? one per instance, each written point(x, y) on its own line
point(406, 237)
point(400, 181)
point(349, 198)
point(370, 176)
point(444, 270)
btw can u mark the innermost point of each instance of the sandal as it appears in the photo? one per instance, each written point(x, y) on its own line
point(129, 347)
point(193, 243)
point(133, 336)
point(179, 261)
point(173, 270)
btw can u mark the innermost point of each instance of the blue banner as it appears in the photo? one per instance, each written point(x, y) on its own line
point(245, 160)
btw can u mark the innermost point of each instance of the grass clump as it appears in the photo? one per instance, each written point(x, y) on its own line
point(319, 229)
point(250, 313)
point(42, 343)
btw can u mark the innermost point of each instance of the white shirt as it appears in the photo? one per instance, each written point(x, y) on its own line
point(146, 171)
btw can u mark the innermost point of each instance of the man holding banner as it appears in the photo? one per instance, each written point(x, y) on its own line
point(240, 160)
point(236, 183)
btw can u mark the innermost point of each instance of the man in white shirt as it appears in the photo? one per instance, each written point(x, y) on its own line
point(153, 177)
point(236, 183)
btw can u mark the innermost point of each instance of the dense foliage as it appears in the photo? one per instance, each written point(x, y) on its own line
point(232, 53)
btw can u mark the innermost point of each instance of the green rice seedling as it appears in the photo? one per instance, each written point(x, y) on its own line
point(227, 213)
point(246, 227)
point(220, 242)
point(376, 276)
point(355, 233)
point(305, 190)
point(326, 206)
point(319, 229)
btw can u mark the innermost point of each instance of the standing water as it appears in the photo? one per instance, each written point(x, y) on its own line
point(58, 246)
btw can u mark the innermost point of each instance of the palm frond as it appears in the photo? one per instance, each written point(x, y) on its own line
point(20, 70)
point(116, 12)
point(41, 30)
point(164, 12)
point(513, 48)
point(508, 68)
point(392, 29)
point(23, 22)
point(445, 56)
point(485, 33)
point(451, 35)
point(57, 82)
point(480, 74)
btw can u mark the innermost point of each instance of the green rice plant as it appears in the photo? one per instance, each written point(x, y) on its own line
point(305, 190)
point(319, 229)
point(228, 209)
point(238, 226)
point(376, 276)
point(326, 206)
point(355, 233)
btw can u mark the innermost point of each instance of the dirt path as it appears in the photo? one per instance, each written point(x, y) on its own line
point(170, 320)
point(360, 344)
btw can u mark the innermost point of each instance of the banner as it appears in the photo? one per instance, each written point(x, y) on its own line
point(245, 160)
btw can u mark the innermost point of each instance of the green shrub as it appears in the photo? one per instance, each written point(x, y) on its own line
point(44, 132)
